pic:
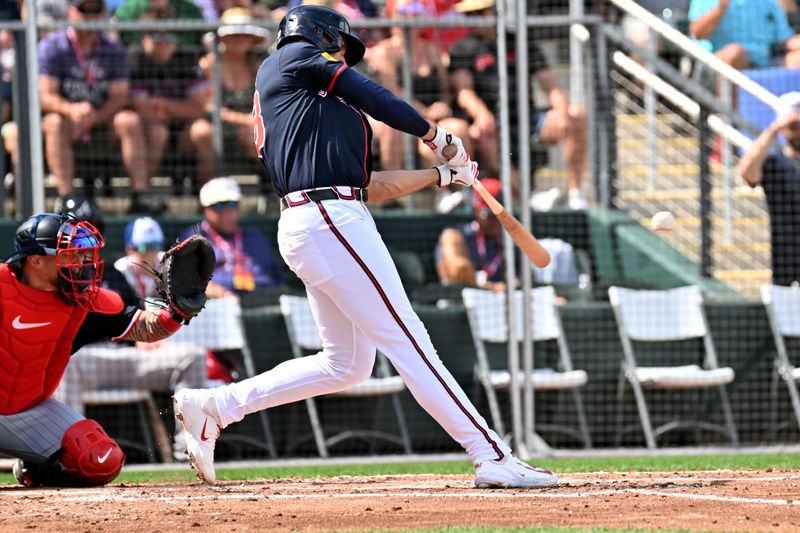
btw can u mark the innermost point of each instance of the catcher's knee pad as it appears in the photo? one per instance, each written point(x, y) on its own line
point(90, 455)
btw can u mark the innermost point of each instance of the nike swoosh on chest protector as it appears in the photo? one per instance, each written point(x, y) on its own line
point(19, 324)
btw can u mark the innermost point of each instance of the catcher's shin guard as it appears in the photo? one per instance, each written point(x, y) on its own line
point(90, 456)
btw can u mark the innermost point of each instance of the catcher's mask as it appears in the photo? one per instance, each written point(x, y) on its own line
point(324, 28)
point(76, 247)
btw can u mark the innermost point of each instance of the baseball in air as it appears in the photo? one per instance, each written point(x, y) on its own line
point(662, 221)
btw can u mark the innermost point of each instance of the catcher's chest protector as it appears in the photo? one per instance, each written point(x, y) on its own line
point(36, 334)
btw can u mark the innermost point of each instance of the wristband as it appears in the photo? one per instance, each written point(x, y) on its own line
point(168, 320)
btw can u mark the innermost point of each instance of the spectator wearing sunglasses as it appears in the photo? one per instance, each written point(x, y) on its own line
point(144, 245)
point(245, 260)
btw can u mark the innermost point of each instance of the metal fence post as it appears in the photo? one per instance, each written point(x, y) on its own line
point(704, 178)
point(22, 118)
point(605, 143)
point(216, 120)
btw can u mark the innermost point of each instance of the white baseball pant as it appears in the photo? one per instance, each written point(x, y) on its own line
point(359, 304)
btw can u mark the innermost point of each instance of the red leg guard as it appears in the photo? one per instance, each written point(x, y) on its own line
point(90, 455)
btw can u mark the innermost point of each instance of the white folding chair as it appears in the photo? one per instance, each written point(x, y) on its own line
point(783, 311)
point(219, 326)
point(487, 314)
point(304, 337)
point(662, 316)
point(154, 431)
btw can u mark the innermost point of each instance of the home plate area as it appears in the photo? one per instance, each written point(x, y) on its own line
point(709, 501)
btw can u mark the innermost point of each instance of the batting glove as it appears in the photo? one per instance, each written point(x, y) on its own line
point(463, 175)
point(442, 139)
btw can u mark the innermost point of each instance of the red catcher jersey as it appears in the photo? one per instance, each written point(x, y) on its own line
point(36, 333)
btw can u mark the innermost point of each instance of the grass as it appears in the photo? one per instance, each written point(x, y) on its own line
point(562, 466)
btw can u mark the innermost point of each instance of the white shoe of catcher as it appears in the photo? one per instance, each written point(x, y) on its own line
point(511, 473)
point(202, 431)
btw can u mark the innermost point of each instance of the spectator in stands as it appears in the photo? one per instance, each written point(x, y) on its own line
point(160, 366)
point(47, 11)
point(245, 260)
point(169, 91)
point(745, 33)
point(473, 67)
point(472, 254)
point(84, 89)
point(429, 84)
point(779, 174)
point(242, 48)
point(183, 9)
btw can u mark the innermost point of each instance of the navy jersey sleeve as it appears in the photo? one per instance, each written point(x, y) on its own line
point(330, 75)
point(380, 103)
point(97, 327)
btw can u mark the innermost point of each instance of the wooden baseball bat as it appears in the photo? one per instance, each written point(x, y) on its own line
point(523, 238)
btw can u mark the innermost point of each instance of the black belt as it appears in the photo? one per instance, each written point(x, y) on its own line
point(329, 193)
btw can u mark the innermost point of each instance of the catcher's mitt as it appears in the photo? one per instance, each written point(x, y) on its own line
point(183, 275)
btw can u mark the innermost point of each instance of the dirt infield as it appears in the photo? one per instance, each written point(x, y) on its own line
point(720, 500)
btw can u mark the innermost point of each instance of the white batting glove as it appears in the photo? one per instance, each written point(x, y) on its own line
point(463, 175)
point(442, 139)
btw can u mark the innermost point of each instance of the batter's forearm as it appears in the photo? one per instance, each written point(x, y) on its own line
point(149, 326)
point(391, 184)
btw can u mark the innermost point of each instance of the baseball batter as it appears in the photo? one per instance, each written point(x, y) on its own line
point(51, 304)
point(314, 140)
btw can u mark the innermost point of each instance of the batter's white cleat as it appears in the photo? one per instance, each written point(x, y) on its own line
point(511, 473)
point(202, 431)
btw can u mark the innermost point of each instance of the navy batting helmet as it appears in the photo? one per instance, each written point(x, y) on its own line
point(324, 28)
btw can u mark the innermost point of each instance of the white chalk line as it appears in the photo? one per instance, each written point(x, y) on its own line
point(99, 497)
point(295, 490)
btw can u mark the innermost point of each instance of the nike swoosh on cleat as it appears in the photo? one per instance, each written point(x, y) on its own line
point(203, 432)
point(18, 324)
point(102, 459)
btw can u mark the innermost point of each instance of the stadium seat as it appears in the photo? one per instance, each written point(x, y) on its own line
point(662, 316)
point(783, 311)
point(305, 339)
point(155, 437)
point(488, 318)
point(219, 327)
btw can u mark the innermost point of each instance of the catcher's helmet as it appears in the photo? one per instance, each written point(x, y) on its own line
point(324, 28)
point(37, 236)
point(76, 246)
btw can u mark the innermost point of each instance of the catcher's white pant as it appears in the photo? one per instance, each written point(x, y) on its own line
point(359, 304)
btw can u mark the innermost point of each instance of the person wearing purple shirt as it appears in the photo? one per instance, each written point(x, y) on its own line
point(245, 260)
point(83, 87)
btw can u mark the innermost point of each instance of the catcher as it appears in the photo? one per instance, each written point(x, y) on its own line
point(51, 304)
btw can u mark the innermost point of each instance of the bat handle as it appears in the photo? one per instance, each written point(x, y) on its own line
point(495, 206)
